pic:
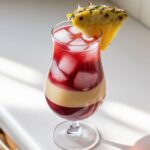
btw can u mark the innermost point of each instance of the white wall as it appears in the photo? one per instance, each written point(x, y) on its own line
point(140, 9)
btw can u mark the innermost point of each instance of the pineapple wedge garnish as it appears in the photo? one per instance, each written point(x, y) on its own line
point(95, 20)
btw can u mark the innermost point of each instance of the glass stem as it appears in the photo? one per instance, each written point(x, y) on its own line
point(75, 129)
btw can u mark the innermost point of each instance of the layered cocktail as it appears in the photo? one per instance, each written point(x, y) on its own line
point(75, 86)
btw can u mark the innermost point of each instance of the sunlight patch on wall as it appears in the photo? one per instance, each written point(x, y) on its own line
point(20, 72)
point(131, 116)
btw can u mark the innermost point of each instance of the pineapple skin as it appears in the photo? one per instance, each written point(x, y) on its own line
point(95, 20)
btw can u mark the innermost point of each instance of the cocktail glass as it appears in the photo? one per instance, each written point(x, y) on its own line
point(75, 86)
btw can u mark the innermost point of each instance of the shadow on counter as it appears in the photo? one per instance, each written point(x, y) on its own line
point(141, 144)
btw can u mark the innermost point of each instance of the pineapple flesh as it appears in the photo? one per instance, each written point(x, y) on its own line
point(95, 20)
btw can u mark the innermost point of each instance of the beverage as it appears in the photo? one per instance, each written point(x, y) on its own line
point(75, 86)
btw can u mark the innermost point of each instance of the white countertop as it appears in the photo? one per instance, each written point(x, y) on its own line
point(24, 61)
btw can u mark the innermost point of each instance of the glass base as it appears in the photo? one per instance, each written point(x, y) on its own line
point(84, 136)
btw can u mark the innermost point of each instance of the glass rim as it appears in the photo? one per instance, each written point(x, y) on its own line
point(66, 21)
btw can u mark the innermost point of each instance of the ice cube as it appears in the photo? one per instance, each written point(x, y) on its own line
point(89, 39)
point(77, 48)
point(85, 80)
point(74, 30)
point(93, 46)
point(67, 64)
point(77, 45)
point(91, 56)
point(78, 41)
point(92, 53)
point(63, 36)
point(57, 74)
